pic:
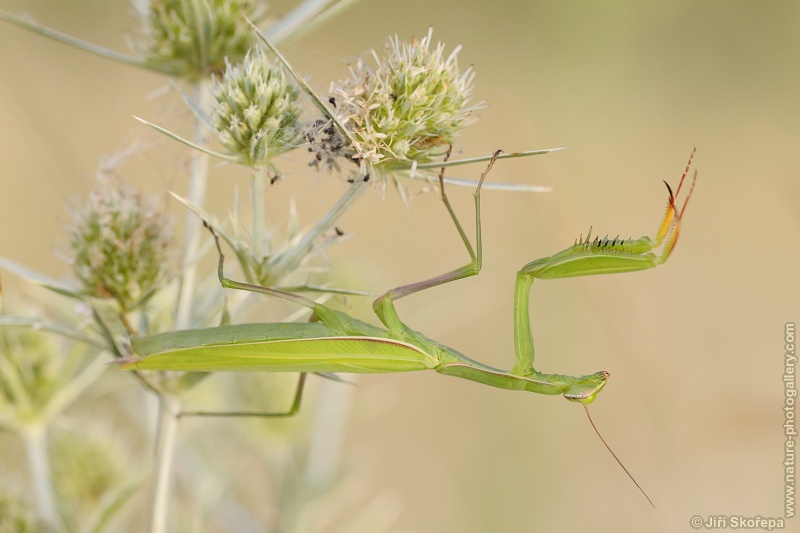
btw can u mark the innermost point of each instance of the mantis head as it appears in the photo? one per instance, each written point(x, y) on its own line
point(585, 390)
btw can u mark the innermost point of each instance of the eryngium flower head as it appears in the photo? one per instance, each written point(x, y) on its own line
point(86, 465)
point(16, 515)
point(120, 242)
point(410, 107)
point(30, 374)
point(256, 110)
point(191, 38)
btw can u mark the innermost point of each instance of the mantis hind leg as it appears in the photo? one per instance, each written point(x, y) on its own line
point(295, 407)
point(384, 306)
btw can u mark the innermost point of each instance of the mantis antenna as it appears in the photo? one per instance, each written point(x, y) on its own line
point(586, 408)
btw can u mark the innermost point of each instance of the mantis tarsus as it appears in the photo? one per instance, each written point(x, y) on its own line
point(338, 342)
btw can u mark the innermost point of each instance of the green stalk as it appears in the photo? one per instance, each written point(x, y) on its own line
point(35, 27)
point(257, 203)
point(288, 261)
point(304, 19)
point(35, 437)
point(196, 194)
point(168, 412)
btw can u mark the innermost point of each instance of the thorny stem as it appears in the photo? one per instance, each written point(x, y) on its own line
point(35, 437)
point(197, 192)
point(168, 414)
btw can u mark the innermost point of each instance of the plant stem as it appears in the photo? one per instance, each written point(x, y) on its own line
point(289, 260)
point(257, 203)
point(169, 409)
point(197, 192)
point(35, 437)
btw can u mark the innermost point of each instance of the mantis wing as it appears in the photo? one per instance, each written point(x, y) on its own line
point(291, 347)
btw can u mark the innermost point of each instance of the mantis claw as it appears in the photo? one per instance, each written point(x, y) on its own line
point(607, 256)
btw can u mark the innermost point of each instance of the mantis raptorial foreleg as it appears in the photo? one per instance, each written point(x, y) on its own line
point(585, 393)
point(589, 257)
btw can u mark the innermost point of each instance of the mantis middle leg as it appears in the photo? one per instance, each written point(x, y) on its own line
point(384, 306)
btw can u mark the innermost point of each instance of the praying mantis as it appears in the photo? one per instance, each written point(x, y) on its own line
point(338, 342)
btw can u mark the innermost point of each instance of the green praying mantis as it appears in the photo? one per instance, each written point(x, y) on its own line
point(338, 342)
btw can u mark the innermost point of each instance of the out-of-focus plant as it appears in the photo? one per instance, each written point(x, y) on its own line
point(17, 517)
point(120, 244)
point(193, 39)
point(399, 118)
point(40, 376)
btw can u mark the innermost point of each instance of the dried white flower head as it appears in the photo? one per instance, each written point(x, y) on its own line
point(192, 38)
point(410, 107)
point(256, 110)
point(120, 242)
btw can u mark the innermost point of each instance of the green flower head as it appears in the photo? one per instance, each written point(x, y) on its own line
point(191, 38)
point(120, 242)
point(256, 109)
point(410, 107)
point(29, 373)
point(86, 466)
point(17, 517)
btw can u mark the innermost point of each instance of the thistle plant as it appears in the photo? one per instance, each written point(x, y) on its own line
point(130, 278)
point(410, 107)
point(256, 110)
point(39, 377)
point(17, 517)
point(120, 243)
point(30, 374)
point(91, 469)
point(192, 39)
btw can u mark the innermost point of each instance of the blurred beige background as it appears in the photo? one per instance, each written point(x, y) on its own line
point(694, 347)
